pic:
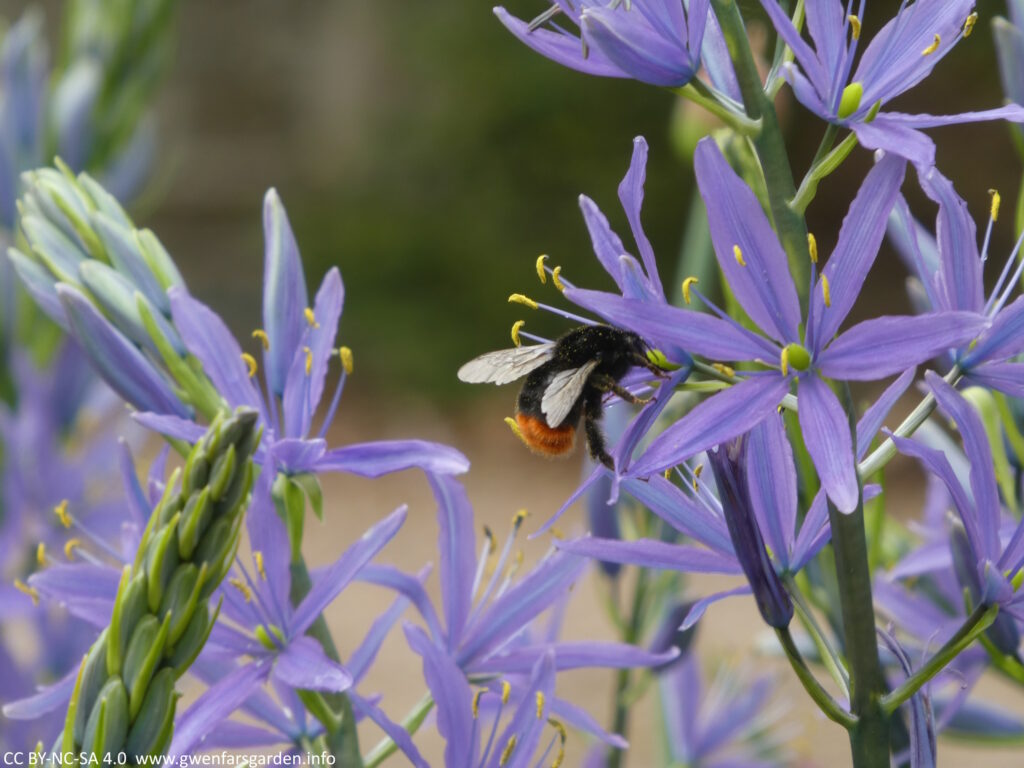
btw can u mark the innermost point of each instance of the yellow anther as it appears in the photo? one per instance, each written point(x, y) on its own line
point(540, 267)
point(826, 294)
point(784, 361)
point(540, 704)
point(476, 702)
point(698, 470)
point(723, 369)
point(969, 24)
point(557, 533)
point(996, 200)
point(668, 473)
point(686, 287)
point(563, 736)
point(41, 554)
point(24, 588)
point(309, 359)
point(854, 26)
point(261, 335)
point(556, 278)
point(738, 253)
point(933, 47)
point(518, 518)
point(70, 546)
point(242, 587)
point(347, 363)
point(61, 511)
point(812, 247)
point(310, 317)
point(250, 363)
point(506, 691)
point(492, 542)
point(515, 428)
point(509, 748)
point(518, 298)
point(257, 557)
point(517, 326)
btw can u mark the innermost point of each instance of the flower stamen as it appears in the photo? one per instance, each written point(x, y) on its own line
point(686, 287)
point(506, 691)
point(514, 426)
point(41, 554)
point(516, 327)
point(310, 317)
point(826, 294)
point(24, 588)
point(61, 511)
point(556, 278)
point(996, 200)
point(257, 558)
point(933, 47)
point(518, 298)
point(969, 24)
point(70, 546)
point(262, 337)
point(738, 253)
point(309, 359)
point(242, 587)
point(854, 26)
point(812, 247)
point(476, 702)
point(540, 704)
point(540, 267)
point(347, 362)
point(506, 753)
point(250, 364)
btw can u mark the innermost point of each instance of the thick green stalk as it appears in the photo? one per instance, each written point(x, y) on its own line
point(769, 143)
point(620, 721)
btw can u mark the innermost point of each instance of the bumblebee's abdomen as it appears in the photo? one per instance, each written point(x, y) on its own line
point(549, 441)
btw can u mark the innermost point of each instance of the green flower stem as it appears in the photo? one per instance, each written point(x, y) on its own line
point(783, 53)
point(833, 711)
point(1008, 665)
point(341, 739)
point(620, 721)
point(883, 454)
point(703, 96)
point(820, 168)
point(410, 723)
point(769, 143)
point(981, 618)
point(869, 737)
point(828, 654)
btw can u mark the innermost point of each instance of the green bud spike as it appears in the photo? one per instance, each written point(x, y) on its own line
point(222, 473)
point(162, 560)
point(115, 637)
point(94, 675)
point(155, 717)
point(194, 521)
point(192, 640)
point(107, 727)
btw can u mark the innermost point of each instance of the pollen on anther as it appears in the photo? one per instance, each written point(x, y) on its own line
point(540, 704)
point(70, 546)
point(667, 473)
point(517, 326)
point(540, 267)
point(309, 359)
point(61, 511)
point(257, 558)
point(242, 587)
point(310, 317)
point(686, 287)
point(854, 26)
point(347, 362)
point(723, 369)
point(996, 200)
point(933, 47)
point(518, 298)
point(556, 278)
point(518, 518)
point(261, 335)
point(812, 248)
point(509, 748)
point(738, 253)
point(506, 691)
point(784, 361)
point(826, 294)
point(24, 588)
point(250, 364)
point(969, 24)
point(41, 554)
point(476, 702)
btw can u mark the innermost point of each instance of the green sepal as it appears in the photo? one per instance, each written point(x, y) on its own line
point(220, 568)
point(193, 639)
point(195, 519)
point(67, 736)
point(222, 472)
point(264, 637)
point(197, 471)
point(291, 506)
point(158, 259)
point(181, 598)
point(115, 638)
point(987, 408)
point(147, 534)
point(155, 718)
point(231, 432)
point(108, 722)
point(104, 202)
point(93, 677)
point(91, 241)
point(217, 549)
point(237, 492)
point(311, 485)
point(145, 650)
point(161, 561)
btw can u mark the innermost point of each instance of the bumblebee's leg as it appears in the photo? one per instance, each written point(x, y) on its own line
point(642, 362)
point(608, 384)
point(592, 425)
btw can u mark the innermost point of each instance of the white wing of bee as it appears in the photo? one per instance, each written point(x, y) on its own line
point(563, 392)
point(506, 365)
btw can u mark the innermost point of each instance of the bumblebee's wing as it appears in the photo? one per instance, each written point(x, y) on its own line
point(563, 392)
point(506, 365)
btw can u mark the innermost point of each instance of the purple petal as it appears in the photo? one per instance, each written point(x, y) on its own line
point(651, 553)
point(897, 139)
point(268, 536)
point(631, 195)
point(874, 416)
point(699, 607)
point(764, 286)
point(70, 582)
point(560, 47)
point(397, 733)
point(883, 346)
point(45, 700)
point(696, 332)
point(410, 588)
point(805, 55)
point(284, 292)
point(581, 720)
point(671, 504)
point(855, 252)
point(721, 417)
point(117, 360)
point(1004, 339)
point(234, 734)
point(814, 532)
point(1005, 377)
point(384, 456)
point(454, 699)
point(39, 283)
point(360, 660)
point(336, 577)
point(510, 612)
point(171, 426)
point(303, 664)
point(578, 655)
point(606, 244)
point(826, 431)
point(456, 544)
point(295, 455)
point(960, 273)
point(771, 477)
point(826, 21)
point(207, 337)
point(214, 705)
point(1011, 112)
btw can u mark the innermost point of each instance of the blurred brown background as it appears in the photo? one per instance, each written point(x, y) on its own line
point(432, 157)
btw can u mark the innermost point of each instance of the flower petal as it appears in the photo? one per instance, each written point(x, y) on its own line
point(959, 278)
point(456, 544)
point(665, 499)
point(397, 733)
point(698, 608)
point(874, 416)
point(651, 553)
point(560, 47)
point(45, 700)
point(304, 665)
point(576, 655)
point(771, 477)
point(409, 587)
point(631, 195)
point(1004, 339)
point(826, 431)
point(1005, 377)
point(384, 456)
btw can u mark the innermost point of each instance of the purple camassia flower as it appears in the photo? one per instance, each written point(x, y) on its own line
point(298, 343)
point(755, 266)
point(900, 56)
point(495, 638)
point(950, 268)
point(653, 41)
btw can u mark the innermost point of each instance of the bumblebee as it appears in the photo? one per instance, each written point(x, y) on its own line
point(565, 379)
